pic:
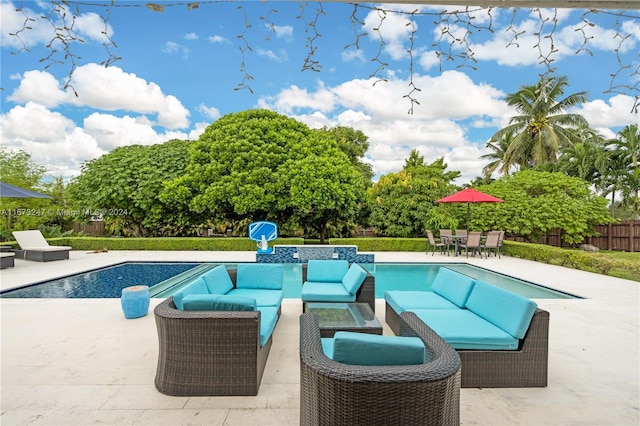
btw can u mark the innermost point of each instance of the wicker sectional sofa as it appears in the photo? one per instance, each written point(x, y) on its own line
point(502, 338)
point(215, 334)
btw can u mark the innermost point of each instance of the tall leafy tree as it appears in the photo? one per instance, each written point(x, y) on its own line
point(538, 202)
point(125, 186)
point(355, 144)
point(402, 204)
point(262, 165)
point(542, 127)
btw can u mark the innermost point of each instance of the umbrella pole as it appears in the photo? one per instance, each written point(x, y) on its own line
point(468, 216)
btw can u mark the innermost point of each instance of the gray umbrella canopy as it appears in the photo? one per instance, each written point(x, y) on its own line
point(11, 191)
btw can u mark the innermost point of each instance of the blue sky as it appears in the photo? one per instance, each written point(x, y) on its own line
point(180, 70)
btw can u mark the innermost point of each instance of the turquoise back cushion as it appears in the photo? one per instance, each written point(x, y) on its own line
point(218, 302)
point(372, 349)
point(218, 280)
point(260, 275)
point(509, 311)
point(354, 278)
point(196, 287)
point(453, 286)
point(327, 271)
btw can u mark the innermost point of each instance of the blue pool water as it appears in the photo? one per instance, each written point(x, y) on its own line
point(109, 282)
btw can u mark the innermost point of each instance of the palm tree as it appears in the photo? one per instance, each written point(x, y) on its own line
point(499, 149)
point(627, 147)
point(543, 126)
point(584, 159)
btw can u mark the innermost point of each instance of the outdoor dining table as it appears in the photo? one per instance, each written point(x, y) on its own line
point(457, 239)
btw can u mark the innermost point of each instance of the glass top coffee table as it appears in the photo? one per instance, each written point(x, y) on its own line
point(334, 317)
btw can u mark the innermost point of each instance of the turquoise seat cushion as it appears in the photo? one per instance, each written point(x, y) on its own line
point(463, 329)
point(326, 271)
point(268, 320)
point(260, 275)
point(509, 311)
point(354, 278)
point(263, 297)
point(372, 349)
point(326, 292)
point(327, 346)
point(218, 302)
point(402, 301)
point(453, 286)
point(218, 280)
point(198, 286)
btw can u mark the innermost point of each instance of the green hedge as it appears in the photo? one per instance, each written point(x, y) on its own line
point(577, 259)
point(177, 243)
point(383, 244)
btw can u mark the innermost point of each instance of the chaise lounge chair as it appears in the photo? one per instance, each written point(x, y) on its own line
point(33, 246)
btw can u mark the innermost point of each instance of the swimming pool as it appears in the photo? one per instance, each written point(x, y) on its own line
point(162, 277)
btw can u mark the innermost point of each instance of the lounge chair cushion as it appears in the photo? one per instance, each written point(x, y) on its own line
point(268, 320)
point(354, 278)
point(196, 287)
point(326, 292)
point(218, 302)
point(260, 275)
point(371, 349)
point(463, 329)
point(453, 286)
point(402, 301)
point(263, 297)
point(509, 311)
point(218, 280)
point(327, 271)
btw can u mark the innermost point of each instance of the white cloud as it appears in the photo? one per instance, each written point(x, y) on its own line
point(394, 29)
point(294, 98)
point(217, 39)
point(381, 113)
point(616, 112)
point(191, 36)
point(87, 26)
point(281, 31)
point(42, 88)
point(212, 113)
point(91, 25)
point(173, 47)
point(280, 56)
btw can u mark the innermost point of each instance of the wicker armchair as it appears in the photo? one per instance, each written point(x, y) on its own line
point(366, 293)
point(209, 352)
point(332, 393)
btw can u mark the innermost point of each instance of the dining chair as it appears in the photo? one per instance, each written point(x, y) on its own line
point(437, 244)
point(474, 242)
point(492, 243)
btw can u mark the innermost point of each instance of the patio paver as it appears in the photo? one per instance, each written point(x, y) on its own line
point(79, 361)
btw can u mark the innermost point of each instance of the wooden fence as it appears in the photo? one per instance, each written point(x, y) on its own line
point(622, 236)
point(93, 229)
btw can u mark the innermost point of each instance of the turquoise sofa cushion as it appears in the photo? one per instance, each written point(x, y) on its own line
point(198, 286)
point(263, 297)
point(372, 349)
point(463, 329)
point(218, 280)
point(327, 271)
point(326, 292)
point(453, 286)
point(402, 301)
point(218, 302)
point(260, 275)
point(509, 311)
point(354, 278)
point(268, 320)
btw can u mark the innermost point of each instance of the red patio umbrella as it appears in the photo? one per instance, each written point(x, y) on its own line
point(469, 195)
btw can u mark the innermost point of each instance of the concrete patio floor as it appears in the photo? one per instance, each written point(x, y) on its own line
point(80, 362)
